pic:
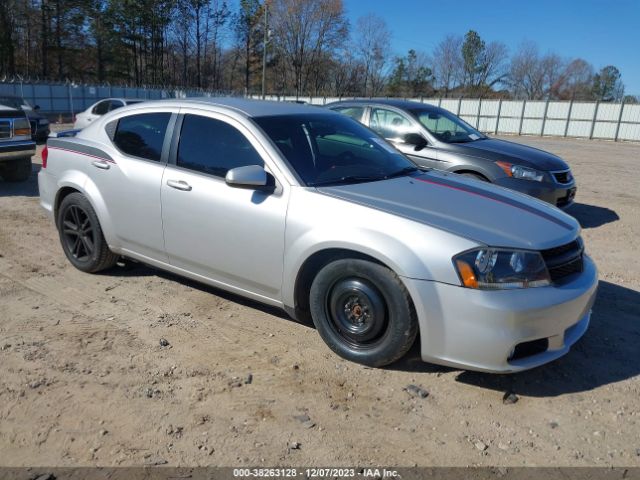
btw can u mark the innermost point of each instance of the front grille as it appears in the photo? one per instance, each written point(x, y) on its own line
point(5, 129)
point(564, 260)
point(563, 177)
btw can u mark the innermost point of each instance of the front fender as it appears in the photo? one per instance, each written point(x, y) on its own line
point(318, 222)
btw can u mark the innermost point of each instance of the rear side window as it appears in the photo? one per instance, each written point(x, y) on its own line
point(390, 124)
point(212, 146)
point(354, 112)
point(142, 135)
point(101, 108)
point(115, 104)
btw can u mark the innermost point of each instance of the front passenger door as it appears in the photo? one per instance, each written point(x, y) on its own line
point(231, 236)
point(393, 126)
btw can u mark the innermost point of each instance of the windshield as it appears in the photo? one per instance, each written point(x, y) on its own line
point(326, 149)
point(447, 127)
point(12, 102)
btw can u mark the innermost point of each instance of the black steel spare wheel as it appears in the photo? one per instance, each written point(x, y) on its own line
point(357, 311)
point(363, 311)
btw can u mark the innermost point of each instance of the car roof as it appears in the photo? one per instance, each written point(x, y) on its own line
point(245, 106)
point(392, 102)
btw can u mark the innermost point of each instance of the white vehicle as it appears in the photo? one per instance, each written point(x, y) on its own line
point(98, 109)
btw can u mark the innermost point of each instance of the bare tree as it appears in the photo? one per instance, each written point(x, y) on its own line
point(483, 64)
point(448, 63)
point(305, 30)
point(526, 74)
point(552, 66)
point(575, 81)
point(372, 42)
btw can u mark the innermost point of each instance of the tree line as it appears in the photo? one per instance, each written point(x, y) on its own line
point(304, 47)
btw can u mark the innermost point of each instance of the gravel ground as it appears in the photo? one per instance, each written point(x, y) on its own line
point(136, 366)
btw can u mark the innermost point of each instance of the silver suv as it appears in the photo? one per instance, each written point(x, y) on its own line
point(308, 210)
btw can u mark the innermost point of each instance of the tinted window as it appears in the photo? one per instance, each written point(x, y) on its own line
point(331, 149)
point(115, 104)
point(390, 124)
point(353, 112)
point(101, 108)
point(447, 127)
point(213, 146)
point(142, 135)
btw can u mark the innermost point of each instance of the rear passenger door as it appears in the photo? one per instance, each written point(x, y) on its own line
point(130, 184)
point(231, 236)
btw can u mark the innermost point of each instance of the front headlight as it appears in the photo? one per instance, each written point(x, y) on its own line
point(498, 269)
point(518, 171)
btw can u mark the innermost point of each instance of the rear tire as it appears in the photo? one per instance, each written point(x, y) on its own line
point(363, 312)
point(16, 170)
point(81, 235)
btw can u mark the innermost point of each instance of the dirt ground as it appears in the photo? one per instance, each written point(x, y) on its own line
point(84, 379)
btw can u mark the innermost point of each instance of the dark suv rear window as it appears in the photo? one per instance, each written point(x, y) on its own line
point(142, 135)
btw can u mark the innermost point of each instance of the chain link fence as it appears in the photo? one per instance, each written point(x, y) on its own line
point(64, 100)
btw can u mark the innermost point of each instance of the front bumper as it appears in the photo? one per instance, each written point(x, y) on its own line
point(12, 150)
point(559, 194)
point(479, 329)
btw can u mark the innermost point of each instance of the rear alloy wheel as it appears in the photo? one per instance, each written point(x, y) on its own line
point(363, 311)
point(16, 170)
point(81, 236)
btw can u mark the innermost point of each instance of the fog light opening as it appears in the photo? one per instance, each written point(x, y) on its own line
point(529, 349)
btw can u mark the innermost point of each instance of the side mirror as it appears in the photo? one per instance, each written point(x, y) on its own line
point(415, 139)
point(252, 176)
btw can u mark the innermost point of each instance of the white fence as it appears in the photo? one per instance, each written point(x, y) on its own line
point(608, 121)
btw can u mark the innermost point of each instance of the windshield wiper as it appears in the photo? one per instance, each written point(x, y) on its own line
point(346, 179)
point(402, 172)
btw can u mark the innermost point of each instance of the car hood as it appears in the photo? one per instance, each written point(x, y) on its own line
point(501, 150)
point(469, 208)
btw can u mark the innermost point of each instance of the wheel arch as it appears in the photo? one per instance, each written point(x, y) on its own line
point(309, 269)
point(86, 187)
point(478, 173)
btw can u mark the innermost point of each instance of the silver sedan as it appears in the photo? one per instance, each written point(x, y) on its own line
point(436, 138)
point(308, 210)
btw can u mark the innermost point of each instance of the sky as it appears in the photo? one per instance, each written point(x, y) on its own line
point(602, 32)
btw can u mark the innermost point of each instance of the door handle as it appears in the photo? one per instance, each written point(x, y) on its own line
point(179, 185)
point(101, 164)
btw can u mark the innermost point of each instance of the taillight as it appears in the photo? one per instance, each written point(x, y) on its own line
point(45, 156)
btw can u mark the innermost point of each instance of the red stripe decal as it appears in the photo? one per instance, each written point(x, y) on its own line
point(110, 160)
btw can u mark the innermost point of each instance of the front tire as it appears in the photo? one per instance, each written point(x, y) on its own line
point(17, 170)
point(81, 235)
point(363, 312)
